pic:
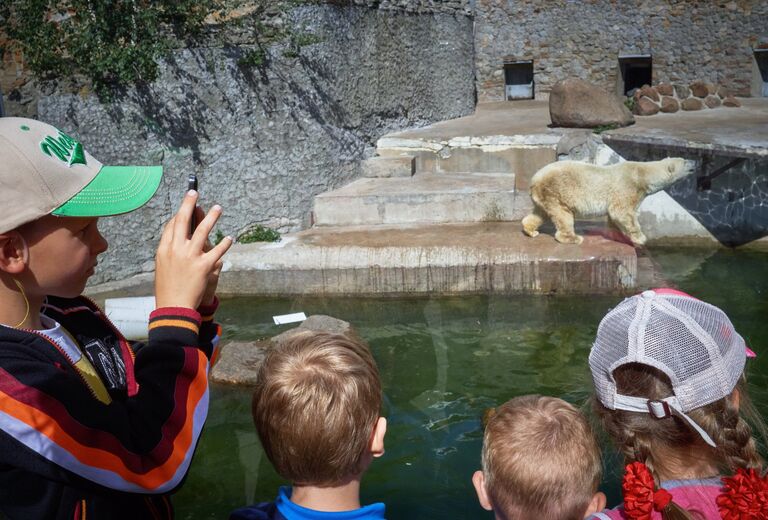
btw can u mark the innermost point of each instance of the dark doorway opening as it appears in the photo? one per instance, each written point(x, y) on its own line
point(636, 71)
point(518, 79)
point(761, 57)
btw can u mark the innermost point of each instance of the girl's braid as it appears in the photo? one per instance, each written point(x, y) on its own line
point(735, 444)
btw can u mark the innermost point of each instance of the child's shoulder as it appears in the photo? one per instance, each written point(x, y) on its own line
point(262, 511)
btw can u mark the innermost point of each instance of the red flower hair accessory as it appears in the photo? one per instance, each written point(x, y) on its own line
point(744, 496)
point(641, 497)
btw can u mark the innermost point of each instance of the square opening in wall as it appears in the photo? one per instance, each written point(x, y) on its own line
point(636, 71)
point(761, 57)
point(518, 79)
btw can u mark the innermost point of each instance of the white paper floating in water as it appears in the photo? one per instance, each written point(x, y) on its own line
point(289, 318)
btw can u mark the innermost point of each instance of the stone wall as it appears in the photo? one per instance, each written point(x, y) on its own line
point(687, 40)
point(265, 139)
point(456, 7)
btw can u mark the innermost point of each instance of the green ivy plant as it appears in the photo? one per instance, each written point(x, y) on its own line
point(117, 43)
point(258, 233)
point(109, 42)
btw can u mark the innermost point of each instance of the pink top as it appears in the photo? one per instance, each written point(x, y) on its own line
point(696, 496)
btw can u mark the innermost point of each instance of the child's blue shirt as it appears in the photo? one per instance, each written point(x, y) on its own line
point(283, 509)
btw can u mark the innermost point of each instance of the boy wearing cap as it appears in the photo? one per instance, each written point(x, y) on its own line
point(90, 426)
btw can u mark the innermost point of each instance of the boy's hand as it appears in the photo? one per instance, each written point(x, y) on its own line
point(185, 268)
point(209, 296)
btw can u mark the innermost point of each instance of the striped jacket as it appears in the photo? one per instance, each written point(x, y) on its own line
point(74, 445)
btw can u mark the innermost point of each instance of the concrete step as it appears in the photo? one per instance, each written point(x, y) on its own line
point(393, 166)
point(488, 257)
point(422, 198)
point(521, 155)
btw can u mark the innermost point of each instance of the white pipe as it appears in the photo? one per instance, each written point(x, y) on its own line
point(130, 315)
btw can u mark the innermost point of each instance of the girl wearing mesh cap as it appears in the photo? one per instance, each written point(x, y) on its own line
point(669, 390)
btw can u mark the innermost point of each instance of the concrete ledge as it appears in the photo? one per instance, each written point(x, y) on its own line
point(395, 166)
point(422, 199)
point(447, 259)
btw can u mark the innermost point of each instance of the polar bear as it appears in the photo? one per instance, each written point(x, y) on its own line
point(567, 189)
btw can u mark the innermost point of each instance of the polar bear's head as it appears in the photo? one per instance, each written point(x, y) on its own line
point(665, 172)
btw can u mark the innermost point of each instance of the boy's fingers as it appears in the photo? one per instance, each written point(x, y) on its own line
point(184, 215)
point(166, 237)
point(219, 249)
point(200, 237)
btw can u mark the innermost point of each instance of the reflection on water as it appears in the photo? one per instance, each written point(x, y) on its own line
point(443, 362)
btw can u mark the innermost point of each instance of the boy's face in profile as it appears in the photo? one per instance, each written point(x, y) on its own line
point(62, 253)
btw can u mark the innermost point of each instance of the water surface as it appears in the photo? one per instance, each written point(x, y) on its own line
point(443, 361)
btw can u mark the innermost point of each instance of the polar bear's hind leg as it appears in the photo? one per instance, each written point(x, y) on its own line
point(533, 221)
point(562, 218)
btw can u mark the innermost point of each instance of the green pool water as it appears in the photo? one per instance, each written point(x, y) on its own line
point(443, 361)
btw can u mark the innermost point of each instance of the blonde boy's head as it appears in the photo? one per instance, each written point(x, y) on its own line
point(316, 408)
point(540, 460)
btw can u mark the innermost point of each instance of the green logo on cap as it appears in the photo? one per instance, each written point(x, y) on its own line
point(64, 148)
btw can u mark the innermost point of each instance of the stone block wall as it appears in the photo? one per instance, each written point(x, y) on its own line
point(264, 140)
point(687, 40)
point(669, 98)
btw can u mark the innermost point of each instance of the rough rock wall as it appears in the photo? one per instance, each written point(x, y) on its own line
point(458, 7)
point(265, 139)
point(687, 39)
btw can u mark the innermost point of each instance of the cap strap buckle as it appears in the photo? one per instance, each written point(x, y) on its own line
point(659, 409)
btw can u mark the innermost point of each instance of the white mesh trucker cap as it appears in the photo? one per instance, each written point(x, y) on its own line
point(43, 170)
point(691, 341)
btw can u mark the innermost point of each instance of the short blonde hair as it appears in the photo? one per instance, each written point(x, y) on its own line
point(316, 402)
point(540, 459)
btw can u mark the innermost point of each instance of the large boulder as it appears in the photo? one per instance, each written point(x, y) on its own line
point(575, 103)
point(239, 361)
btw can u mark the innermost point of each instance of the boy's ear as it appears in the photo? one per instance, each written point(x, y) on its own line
point(478, 480)
point(377, 439)
point(596, 504)
point(13, 252)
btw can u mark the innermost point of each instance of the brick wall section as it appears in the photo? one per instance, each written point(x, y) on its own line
point(687, 39)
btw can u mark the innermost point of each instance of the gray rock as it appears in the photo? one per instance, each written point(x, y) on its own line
point(317, 323)
point(692, 103)
point(239, 361)
point(699, 89)
point(669, 104)
point(665, 89)
point(646, 107)
point(712, 101)
point(576, 103)
point(682, 92)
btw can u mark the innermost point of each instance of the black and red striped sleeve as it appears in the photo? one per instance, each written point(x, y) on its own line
point(143, 443)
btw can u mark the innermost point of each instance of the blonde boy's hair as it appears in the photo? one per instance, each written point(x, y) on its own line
point(540, 459)
point(316, 402)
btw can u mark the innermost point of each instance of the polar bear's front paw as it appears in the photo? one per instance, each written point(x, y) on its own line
point(570, 238)
point(531, 233)
point(638, 239)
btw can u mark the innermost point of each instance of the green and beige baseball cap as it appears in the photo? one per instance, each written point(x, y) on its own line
point(44, 171)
